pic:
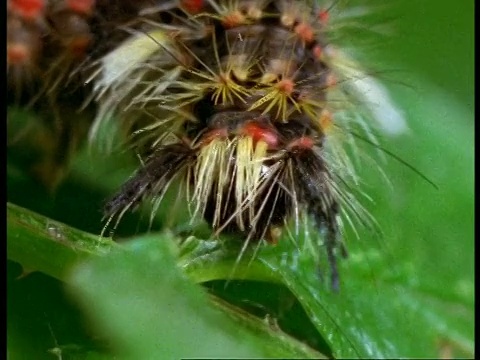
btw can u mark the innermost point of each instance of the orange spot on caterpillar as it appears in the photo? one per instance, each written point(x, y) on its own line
point(192, 6)
point(323, 16)
point(27, 9)
point(261, 133)
point(303, 142)
point(18, 54)
point(317, 52)
point(233, 19)
point(84, 7)
point(286, 86)
point(305, 32)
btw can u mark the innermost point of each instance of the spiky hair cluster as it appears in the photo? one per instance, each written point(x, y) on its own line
point(247, 103)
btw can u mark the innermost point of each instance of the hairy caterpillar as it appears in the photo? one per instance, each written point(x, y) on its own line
point(47, 42)
point(250, 104)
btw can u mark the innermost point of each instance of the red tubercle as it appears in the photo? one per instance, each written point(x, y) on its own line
point(317, 52)
point(286, 86)
point(303, 142)
point(261, 133)
point(23, 42)
point(27, 9)
point(305, 32)
point(18, 54)
point(83, 7)
point(192, 6)
point(233, 19)
point(323, 16)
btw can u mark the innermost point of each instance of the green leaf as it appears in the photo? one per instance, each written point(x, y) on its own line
point(141, 299)
point(116, 284)
point(41, 244)
point(42, 323)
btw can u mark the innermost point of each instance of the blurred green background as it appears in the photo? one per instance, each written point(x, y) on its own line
point(436, 40)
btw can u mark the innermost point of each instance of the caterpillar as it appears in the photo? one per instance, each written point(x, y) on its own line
point(252, 105)
point(47, 42)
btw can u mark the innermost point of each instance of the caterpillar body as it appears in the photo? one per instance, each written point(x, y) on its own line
point(250, 104)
